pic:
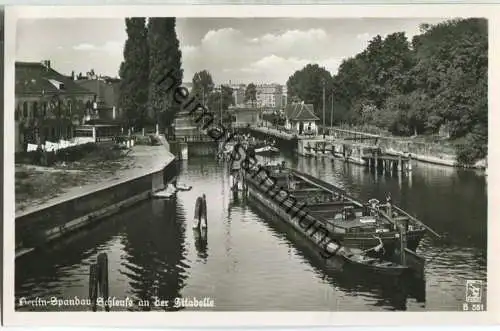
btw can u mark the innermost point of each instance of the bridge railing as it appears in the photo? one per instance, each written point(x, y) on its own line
point(192, 138)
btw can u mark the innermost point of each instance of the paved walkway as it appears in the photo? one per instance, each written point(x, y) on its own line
point(145, 160)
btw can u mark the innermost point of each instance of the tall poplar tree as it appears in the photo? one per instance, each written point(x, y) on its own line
point(164, 57)
point(134, 72)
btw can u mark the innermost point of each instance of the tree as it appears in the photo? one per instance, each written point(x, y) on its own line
point(164, 57)
point(440, 79)
point(307, 85)
point(134, 72)
point(452, 66)
point(251, 93)
point(203, 85)
point(215, 103)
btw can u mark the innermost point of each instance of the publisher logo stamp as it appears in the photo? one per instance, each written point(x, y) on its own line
point(473, 291)
point(473, 295)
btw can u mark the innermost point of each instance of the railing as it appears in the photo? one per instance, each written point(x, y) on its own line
point(195, 138)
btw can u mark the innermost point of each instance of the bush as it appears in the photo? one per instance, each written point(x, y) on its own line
point(472, 149)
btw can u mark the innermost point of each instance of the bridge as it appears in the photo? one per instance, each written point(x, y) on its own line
point(188, 138)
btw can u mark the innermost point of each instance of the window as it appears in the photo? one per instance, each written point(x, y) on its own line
point(25, 109)
point(44, 109)
point(70, 107)
point(53, 132)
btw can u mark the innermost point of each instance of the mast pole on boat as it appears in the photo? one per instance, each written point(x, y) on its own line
point(401, 226)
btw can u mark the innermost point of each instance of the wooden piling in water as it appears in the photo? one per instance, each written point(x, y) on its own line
point(99, 282)
point(102, 267)
point(93, 285)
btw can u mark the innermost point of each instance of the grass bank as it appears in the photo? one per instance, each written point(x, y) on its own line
point(37, 184)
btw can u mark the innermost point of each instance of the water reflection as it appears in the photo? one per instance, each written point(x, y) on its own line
point(155, 253)
point(201, 242)
point(378, 290)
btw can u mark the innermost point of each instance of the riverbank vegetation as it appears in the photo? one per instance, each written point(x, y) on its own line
point(435, 85)
point(37, 183)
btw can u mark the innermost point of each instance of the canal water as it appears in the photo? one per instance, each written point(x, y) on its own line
point(250, 261)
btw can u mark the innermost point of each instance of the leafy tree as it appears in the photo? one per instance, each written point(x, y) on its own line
point(439, 79)
point(452, 62)
point(215, 103)
point(134, 71)
point(164, 56)
point(307, 85)
point(251, 93)
point(203, 85)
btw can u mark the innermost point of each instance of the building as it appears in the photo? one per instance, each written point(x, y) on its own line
point(300, 118)
point(244, 116)
point(284, 97)
point(269, 95)
point(48, 105)
point(239, 94)
point(107, 96)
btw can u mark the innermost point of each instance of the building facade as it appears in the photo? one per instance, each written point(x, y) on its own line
point(269, 95)
point(244, 116)
point(106, 102)
point(48, 105)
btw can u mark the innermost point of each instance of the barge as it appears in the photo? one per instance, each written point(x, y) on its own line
point(346, 221)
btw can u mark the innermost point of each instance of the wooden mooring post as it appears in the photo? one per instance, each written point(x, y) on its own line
point(99, 282)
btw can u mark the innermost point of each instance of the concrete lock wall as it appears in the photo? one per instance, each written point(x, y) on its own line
point(39, 227)
point(420, 148)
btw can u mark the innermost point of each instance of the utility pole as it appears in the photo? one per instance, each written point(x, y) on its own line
point(331, 114)
point(203, 101)
point(323, 108)
point(221, 106)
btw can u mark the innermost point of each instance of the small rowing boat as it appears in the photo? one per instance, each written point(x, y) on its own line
point(166, 193)
point(183, 187)
point(356, 258)
point(266, 149)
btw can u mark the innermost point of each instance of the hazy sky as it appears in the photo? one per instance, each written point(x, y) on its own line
point(242, 50)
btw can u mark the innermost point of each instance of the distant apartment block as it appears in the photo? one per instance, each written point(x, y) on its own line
point(269, 95)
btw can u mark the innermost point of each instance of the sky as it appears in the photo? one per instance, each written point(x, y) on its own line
point(236, 50)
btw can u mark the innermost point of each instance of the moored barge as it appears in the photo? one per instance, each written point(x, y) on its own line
point(346, 220)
